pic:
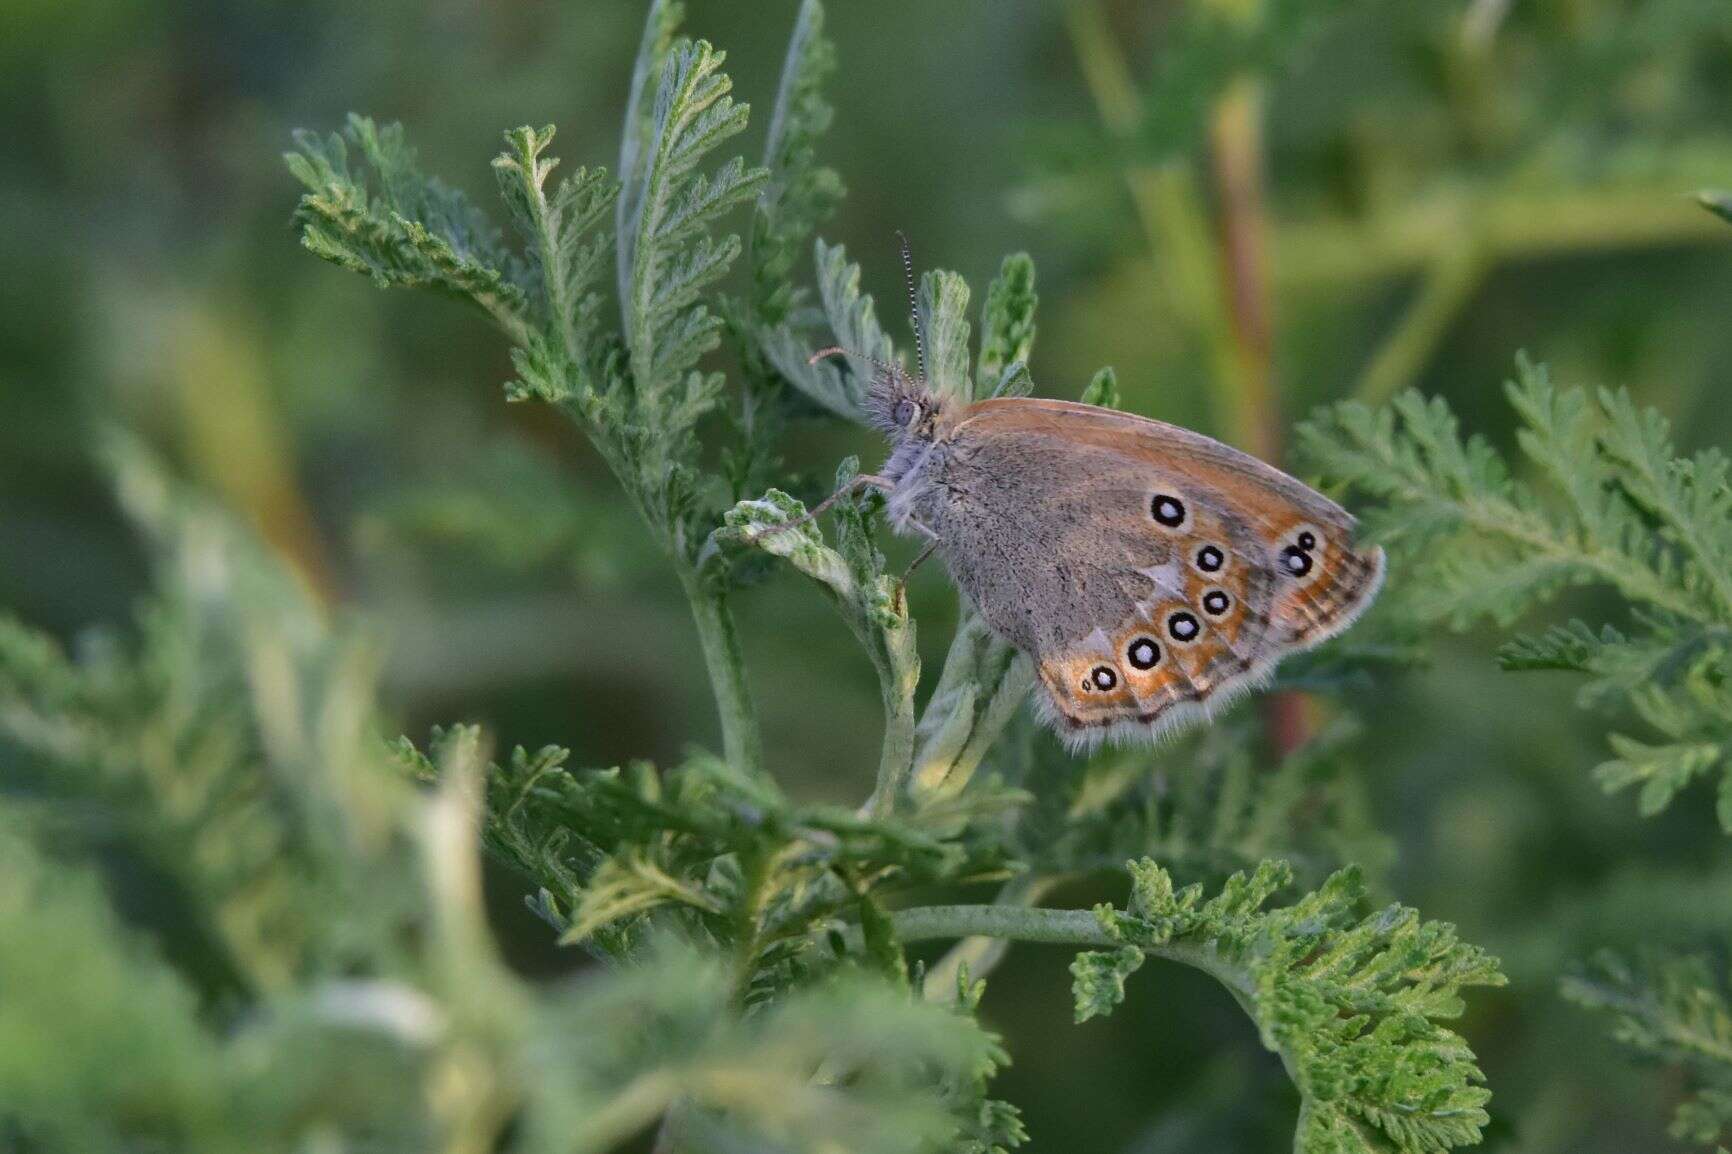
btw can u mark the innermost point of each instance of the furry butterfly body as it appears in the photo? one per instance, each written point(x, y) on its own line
point(1150, 572)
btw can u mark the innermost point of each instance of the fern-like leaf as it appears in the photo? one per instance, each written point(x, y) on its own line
point(1672, 1009)
point(1353, 1003)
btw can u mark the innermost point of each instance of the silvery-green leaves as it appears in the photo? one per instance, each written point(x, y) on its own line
point(185, 738)
point(1103, 390)
point(869, 600)
point(1007, 331)
point(369, 209)
point(853, 322)
point(1353, 1003)
point(667, 1029)
point(1623, 509)
point(982, 686)
point(1206, 806)
point(637, 391)
point(800, 193)
point(701, 849)
point(566, 250)
point(942, 306)
point(674, 259)
point(1676, 1010)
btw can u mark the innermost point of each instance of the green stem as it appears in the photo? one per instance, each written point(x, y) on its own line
point(720, 641)
point(981, 953)
point(1508, 224)
point(1452, 278)
point(1167, 197)
point(896, 682)
point(1055, 927)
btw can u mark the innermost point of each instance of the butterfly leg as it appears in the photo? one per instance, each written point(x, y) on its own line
point(862, 481)
point(902, 584)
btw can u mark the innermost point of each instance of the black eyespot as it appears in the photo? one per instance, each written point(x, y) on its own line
point(1216, 602)
point(1144, 653)
point(1307, 540)
point(1167, 510)
point(1210, 559)
point(1295, 561)
point(1103, 677)
point(1183, 626)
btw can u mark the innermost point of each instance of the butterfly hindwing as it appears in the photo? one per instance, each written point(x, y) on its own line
point(1150, 571)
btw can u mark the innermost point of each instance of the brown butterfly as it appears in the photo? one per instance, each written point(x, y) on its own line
point(1150, 572)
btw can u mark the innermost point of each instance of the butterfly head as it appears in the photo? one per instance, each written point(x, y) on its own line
point(903, 408)
point(900, 406)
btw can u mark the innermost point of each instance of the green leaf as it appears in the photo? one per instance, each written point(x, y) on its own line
point(1354, 1004)
point(870, 601)
point(661, 25)
point(400, 228)
point(799, 194)
point(1655, 527)
point(1661, 770)
point(1103, 390)
point(1675, 1009)
point(567, 252)
point(673, 258)
point(1007, 330)
point(942, 306)
point(1098, 979)
point(96, 990)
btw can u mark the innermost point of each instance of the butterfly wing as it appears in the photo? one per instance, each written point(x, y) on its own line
point(1150, 571)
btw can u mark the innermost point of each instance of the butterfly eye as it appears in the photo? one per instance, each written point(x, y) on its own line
point(1144, 653)
point(1216, 602)
point(1183, 626)
point(1210, 559)
point(1103, 677)
point(1295, 561)
point(903, 413)
point(1167, 510)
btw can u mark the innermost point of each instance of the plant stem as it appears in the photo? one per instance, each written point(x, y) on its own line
point(1052, 927)
point(1167, 200)
point(1010, 922)
point(982, 953)
point(1452, 278)
point(896, 760)
point(741, 742)
point(1236, 162)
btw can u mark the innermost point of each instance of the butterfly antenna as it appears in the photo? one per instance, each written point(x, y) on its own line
point(884, 367)
point(913, 304)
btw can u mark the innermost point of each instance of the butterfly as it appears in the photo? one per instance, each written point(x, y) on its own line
point(1151, 573)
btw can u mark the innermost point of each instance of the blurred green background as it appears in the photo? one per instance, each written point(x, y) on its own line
point(1446, 184)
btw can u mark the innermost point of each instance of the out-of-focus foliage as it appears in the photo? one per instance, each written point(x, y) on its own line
point(242, 945)
point(1674, 1010)
point(714, 851)
point(348, 986)
point(1631, 514)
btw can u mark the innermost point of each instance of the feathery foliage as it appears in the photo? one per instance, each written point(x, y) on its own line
point(793, 906)
point(235, 755)
point(1626, 511)
point(1353, 1003)
point(1672, 1009)
point(1620, 508)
